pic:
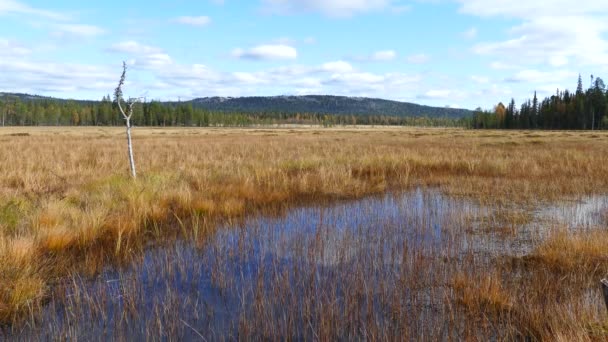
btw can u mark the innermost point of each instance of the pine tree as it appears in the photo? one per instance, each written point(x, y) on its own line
point(510, 115)
point(579, 87)
point(534, 115)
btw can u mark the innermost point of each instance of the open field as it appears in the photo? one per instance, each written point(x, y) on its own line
point(68, 211)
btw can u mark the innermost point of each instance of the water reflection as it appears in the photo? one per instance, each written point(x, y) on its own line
point(377, 267)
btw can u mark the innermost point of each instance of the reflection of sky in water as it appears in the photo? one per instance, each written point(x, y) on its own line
point(587, 212)
point(415, 218)
point(213, 286)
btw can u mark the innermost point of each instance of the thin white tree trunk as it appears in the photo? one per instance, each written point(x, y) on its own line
point(126, 115)
point(130, 146)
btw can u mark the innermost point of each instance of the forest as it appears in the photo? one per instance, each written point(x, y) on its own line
point(584, 109)
point(581, 110)
point(28, 110)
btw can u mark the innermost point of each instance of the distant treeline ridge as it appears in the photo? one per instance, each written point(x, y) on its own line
point(28, 110)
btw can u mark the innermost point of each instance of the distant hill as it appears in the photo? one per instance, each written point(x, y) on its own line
point(24, 97)
point(326, 104)
point(317, 104)
point(29, 97)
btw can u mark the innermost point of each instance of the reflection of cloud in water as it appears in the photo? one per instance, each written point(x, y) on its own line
point(587, 212)
point(352, 229)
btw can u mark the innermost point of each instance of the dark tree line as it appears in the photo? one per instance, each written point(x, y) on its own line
point(583, 109)
point(25, 110)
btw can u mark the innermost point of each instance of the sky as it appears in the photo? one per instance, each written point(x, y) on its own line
point(458, 53)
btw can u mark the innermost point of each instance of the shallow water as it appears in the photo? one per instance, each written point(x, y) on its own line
point(376, 267)
point(582, 213)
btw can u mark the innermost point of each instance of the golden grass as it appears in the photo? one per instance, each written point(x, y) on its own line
point(483, 295)
point(67, 203)
point(566, 252)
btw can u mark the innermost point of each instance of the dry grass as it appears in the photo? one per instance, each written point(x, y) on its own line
point(67, 204)
point(566, 252)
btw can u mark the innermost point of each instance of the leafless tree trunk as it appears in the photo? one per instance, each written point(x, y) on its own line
point(118, 97)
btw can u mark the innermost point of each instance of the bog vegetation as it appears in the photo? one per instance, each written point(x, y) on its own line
point(68, 207)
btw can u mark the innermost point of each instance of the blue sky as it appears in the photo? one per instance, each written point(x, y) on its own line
point(461, 53)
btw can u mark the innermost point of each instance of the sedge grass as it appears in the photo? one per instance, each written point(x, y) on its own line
point(67, 204)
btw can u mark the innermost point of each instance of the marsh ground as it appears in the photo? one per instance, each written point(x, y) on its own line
point(69, 212)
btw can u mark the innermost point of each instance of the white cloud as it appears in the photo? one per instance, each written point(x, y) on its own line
point(358, 83)
point(444, 95)
point(420, 58)
point(17, 7)
point(383, 56)
point(558, 61)
point(480, 79)
point(532, 8)
point(334, 8)
point(193, 21)
point(77, 30)
point(153, 60)
point(550, 37)
point(266, 52)
point(555, 32)
point(143, 56)
point(337, 67)
point(308, 83)
point(498, 65)
point(378, 56)
point(437, 94)
point(536, 76)
point(59, 25)
point(155, 71)
point(9, 48)
point(43, 78)
point(133, 47)
point(248, 78)
point(336, 77)
point(543, 38)
point(494, 91)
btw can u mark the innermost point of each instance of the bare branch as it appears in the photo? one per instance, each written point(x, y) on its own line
point(118, 95)
point(134, 100)
point(130, 103)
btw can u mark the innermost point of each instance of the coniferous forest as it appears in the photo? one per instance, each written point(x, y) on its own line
point(579, 110)
point(30, 110)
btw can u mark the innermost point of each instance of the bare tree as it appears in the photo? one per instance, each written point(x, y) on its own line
point(118, 97)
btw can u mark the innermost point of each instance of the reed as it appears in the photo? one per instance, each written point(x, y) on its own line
point(68, 205)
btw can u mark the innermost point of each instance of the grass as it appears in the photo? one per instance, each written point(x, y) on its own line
point(565, 252)
point(67, 204)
